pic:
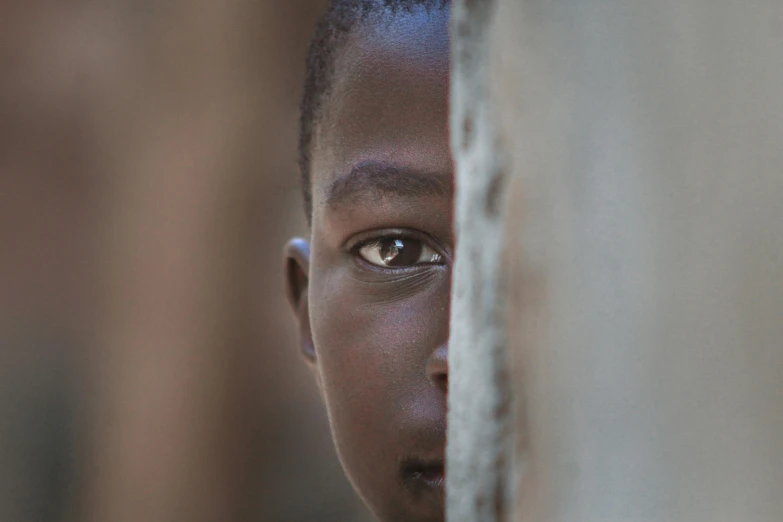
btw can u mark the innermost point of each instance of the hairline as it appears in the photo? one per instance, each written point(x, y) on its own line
point(319, 83)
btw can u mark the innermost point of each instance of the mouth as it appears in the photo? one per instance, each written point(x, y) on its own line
point(419, 474)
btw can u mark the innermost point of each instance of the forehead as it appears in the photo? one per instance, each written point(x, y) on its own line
point(389, 98)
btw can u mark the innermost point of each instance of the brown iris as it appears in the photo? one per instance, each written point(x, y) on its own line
point(399, 252)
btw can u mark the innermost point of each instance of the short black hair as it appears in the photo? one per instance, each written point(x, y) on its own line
point(335, 25)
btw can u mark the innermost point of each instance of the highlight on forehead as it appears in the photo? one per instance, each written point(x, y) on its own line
point(374, 180)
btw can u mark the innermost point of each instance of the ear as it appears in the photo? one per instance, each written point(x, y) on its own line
point(297, 270)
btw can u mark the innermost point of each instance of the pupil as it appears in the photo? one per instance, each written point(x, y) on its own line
point(398, 252)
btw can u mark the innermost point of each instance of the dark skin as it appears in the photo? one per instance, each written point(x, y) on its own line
point(371, 287)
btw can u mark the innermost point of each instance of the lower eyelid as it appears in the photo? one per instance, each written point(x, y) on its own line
point(379, 277)
point(366, 265)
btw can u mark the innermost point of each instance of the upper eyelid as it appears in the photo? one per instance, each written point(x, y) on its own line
point(378, 239)
point(366, 238)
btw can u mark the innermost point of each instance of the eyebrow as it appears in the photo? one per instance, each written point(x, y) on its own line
point(374, 180)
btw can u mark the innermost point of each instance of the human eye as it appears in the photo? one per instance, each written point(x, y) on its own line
point(398, 252)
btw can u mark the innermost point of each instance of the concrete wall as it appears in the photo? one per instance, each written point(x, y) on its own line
point(645, 253)
point(480, 429)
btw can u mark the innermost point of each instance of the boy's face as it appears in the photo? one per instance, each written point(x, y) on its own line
point(377, 272)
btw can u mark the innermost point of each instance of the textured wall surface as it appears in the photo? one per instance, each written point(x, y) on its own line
point(646, 255)
point(479, 424)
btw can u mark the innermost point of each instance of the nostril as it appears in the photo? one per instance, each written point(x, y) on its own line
point(440, 379)
point(438, 368)
point(443, 382)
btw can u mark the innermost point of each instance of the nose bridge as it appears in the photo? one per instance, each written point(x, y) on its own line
point(437, 366)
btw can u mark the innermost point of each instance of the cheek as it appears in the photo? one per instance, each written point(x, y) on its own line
point(372, 356)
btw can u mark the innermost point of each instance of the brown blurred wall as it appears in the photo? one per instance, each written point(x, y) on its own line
point(147, 184)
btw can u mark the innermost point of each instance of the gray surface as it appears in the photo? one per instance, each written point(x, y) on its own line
point(646, 143)
point(479, 426)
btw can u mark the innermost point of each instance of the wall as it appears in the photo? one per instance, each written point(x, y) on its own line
point(644, 254)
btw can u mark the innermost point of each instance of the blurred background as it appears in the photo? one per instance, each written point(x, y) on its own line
point(149, 367)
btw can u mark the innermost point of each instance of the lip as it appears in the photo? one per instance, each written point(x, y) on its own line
point(424, 474)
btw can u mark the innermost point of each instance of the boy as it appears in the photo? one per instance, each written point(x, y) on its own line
point(371, 288)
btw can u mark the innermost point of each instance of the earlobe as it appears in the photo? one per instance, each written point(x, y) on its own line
point(297, 273)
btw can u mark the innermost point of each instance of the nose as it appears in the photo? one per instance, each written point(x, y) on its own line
point(438, 367)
